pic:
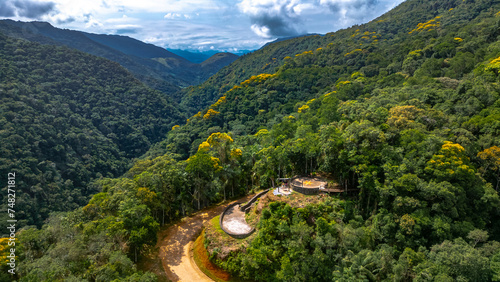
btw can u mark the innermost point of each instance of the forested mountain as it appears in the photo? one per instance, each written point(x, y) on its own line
point(67, 117)
point(403, 109)
point(218, 61)
point(155, 66)
point(199, 57)
point(264, 60)
point(265, 85)
point(194, 57)
point(393, 26)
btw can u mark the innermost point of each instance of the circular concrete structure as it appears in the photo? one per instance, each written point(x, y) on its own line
point(308, 185)
point(232, 219)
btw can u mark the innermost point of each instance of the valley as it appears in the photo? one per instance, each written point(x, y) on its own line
point(401, 112)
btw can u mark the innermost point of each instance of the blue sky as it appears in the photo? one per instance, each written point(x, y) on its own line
point(200, 24)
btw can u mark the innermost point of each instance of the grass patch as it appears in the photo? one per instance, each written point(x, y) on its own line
point(219, 244)
point(201, 259)
point(216, 224)
point(295, 200)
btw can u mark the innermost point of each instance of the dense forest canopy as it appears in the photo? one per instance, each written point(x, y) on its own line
point(404, 108)
point(68, 117)
point(153, 65)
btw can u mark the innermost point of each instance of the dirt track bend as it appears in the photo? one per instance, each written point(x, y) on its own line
point(175, 245)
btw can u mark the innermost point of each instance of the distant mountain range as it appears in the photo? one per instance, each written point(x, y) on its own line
point(153, 65)
point(201, 56)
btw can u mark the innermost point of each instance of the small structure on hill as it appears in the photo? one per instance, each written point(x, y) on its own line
point(284, 188)
point(312, 185)
point(308, 185)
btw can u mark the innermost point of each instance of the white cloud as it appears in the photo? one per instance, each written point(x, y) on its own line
point(298, 9)
point(165, 6)
point(172, 16)
point(274, 17)
point(200, 24)
point(124, 19)
point(257, 7)
point(262, 31)
point(349, 12)
point(278, 18)
point(91, 22)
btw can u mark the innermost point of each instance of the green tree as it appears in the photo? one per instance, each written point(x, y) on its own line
point(201, 168)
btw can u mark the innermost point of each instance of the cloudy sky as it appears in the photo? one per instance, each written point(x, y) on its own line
point(227, 25)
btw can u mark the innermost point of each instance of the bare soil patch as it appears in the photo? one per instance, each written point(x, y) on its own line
point(174, 247)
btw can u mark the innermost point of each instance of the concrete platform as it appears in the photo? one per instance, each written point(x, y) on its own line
point(234, 221)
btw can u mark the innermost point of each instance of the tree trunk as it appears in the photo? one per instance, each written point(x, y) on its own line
point(251, 177)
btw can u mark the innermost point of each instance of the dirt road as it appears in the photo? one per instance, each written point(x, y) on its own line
point(175, 245)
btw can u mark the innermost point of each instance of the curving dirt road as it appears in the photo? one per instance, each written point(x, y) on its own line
point(175, 245)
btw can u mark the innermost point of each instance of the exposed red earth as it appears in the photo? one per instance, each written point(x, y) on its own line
point(175, 244)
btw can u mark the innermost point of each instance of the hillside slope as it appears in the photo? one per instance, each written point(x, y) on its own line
point(395, 23)
point(167, 76)
point(402, 111)
point(308, 66)
point(68, 117)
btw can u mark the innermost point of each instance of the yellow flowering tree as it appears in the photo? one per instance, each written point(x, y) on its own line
point(412, 61)
point(303, 109)
point(257, 79)
point(218, 146)
point(406, 223)
point(209, 160)
point(403, 117)
point(236, 153)
point(210, 113)
point(201, 168)
point(493, 65)
point(429, 25)
point(219, 102)
point(450, 164)
point(204, 147)
point(4, 249)
point(220, 142)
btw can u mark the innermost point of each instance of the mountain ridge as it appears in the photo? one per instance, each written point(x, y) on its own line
point(136, 56)
point(67, 118)
point(199, 57)
point(401, 113)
